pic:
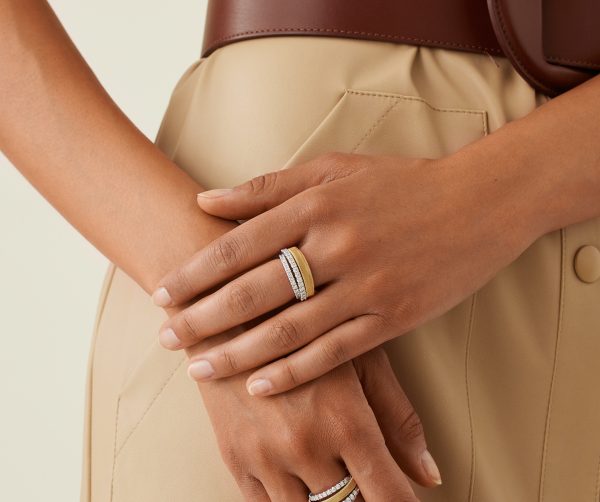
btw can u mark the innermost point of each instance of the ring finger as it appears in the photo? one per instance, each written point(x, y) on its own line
point(321, 475)
point(254, 293)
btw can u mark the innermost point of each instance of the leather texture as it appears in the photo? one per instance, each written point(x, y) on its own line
point(518, 26)
point(456, 24)
point(553, 44)
point(571, 33)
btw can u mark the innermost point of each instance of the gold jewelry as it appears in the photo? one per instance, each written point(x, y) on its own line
point(343, 493)
point(309, 282)
point(318, 497)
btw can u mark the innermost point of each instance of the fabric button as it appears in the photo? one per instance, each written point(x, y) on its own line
point(587, 264)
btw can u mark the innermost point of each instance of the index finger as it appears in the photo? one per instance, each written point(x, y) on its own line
point(248, 245)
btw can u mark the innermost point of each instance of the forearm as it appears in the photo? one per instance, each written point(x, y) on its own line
point(545, 167)
point(64, 133)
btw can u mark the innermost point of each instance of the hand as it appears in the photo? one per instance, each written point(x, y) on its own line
point(391, 242)
point(279, 447)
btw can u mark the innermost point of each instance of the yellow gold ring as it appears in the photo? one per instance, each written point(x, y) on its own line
point(344, 493)
point(309, 282)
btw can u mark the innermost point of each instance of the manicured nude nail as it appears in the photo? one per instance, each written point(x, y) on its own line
point(161, 297)
point(259, 387)
point(200, 370)
point(431, 467)
point(217, 192)
point(168, 339)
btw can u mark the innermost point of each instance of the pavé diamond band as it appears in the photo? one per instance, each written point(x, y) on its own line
point(316, 497)
point(344, 491)
point(298, 272)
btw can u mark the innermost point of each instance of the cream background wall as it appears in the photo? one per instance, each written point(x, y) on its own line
point(50, 276)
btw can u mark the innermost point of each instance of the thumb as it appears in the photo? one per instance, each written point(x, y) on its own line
point(399, 422)
point(266, 191)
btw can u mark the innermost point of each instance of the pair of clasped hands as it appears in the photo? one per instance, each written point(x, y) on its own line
point(391, 243)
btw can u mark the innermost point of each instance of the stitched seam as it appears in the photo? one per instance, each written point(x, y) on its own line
point(150, 404)
point(501, 18)
point(558, 59)
point(373, 127)
point(555, 363)
point(112, 477)
point(415, 98)
point(387, 36)
point(468, 387)
point(87, 441)
point(110, 275)
point(397, 99)
point(117, 452)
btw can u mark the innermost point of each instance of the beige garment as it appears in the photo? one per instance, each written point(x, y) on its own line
point(505, 383)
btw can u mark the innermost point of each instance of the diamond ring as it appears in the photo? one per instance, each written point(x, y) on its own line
point(298, 272)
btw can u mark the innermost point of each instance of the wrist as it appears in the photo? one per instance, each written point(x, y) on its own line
point(527, 183)
point(551, 160)
point(491, 186)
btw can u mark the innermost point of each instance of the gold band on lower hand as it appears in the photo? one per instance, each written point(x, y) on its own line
point(343, 493)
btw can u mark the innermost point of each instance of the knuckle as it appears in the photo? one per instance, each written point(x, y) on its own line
point(332, 352)
point(317, 202)
point(228, 360)
point(289, 372)
point(348, 245)
point(189, 325)
point(300, 446)
point(338, 166)
point(344, 427)
point(333, 159)
point(226, 254)
point(241, 297)
point(262, 183)
point(411, 428)
point(380, 323)
point(250, 486)
point(316, 208)
point(284, 334)
point(263, 455)
point(373, 362)
point(231, 458)
point(406, 313)
point(181, 282)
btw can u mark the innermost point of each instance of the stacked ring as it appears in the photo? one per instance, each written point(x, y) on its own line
point(344, 491)
point(298, 272)
point(316, 497)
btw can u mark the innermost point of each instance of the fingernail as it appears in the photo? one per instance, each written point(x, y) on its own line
point(259, 387)
point(161, 297)
point(200, 370)
point(431, 467)
point(217, 192)
point(168, 339)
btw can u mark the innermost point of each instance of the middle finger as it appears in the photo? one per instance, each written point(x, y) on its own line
point(245, 298)
point(256, 292)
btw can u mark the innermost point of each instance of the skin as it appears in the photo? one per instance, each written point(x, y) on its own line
point(63, 132)
point(400, 240)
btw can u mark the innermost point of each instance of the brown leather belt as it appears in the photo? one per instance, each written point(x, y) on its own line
point(454, 24)
point(554, 44)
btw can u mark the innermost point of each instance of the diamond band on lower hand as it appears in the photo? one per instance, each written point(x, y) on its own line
point(316, 497)
point(344, 491)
